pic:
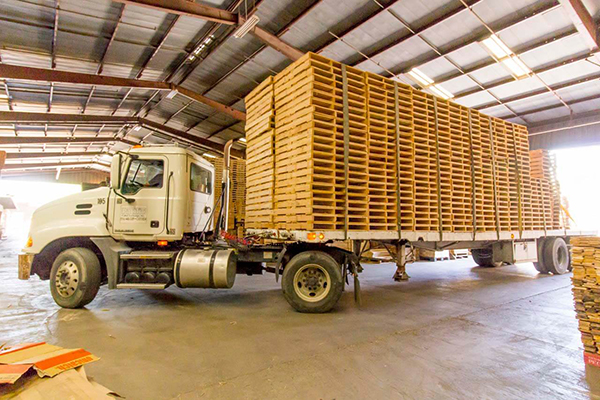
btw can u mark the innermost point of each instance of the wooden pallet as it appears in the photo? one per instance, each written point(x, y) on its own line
point(413, 162)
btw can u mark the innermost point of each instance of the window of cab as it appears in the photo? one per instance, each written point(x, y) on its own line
point(200, 179)
point(143, 174)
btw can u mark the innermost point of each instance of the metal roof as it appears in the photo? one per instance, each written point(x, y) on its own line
point(440, 37)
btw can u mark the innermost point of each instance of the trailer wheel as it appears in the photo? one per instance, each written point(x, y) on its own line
point(539, 265)
point(75, 277)
point(484, 258)
point(556, 255)
point(312, 282)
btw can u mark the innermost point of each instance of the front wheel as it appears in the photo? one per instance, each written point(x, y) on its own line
point(75, 277)
point(312, 282)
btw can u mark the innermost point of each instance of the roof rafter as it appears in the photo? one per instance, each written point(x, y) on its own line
point(19, 156)
point(44, 75)
point(23, 117)
point(17, 140)
point(538, 92)
point(419, 30)
point(195, 10)
point(405, 67)
point(187, 8)
point(52, 165)
point(539, 70)
point(583, 22)
point(54, 35)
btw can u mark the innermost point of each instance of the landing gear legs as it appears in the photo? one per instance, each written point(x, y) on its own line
point(400, 274)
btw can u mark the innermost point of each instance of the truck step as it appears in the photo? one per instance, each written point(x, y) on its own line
point(141, 286)
point(138, 255)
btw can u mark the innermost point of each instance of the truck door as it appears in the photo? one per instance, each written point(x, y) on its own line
point(145, 184)
point(201, 196)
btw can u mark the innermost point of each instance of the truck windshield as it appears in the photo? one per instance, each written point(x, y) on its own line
point(143, 174)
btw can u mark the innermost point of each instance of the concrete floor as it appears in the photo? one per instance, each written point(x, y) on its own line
point(453, 331)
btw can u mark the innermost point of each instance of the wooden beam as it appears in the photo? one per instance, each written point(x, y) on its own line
point(110, 41)
point(273, 41)
point(54, 35)
point(50, 165)
point(583, 21)
point(23, 117)
point(195, 10)
point(187, 8)
point(15, 140)
point(176, 133)
point(54, 76)
point(18, 156)
point(67, 119)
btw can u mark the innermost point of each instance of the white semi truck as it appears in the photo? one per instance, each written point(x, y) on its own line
point(153, 227)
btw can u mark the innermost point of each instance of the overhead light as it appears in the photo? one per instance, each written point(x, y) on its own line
point(506, 56)
point(137, 128)
point(420, 77)
point(171, 94)
point(58, 173)
point(242, 139)
point(429, 83)
point(209, 155)
point(497, 46)
point(441, 92)
point(11, 127)
point(246, 27)
point(516, 66)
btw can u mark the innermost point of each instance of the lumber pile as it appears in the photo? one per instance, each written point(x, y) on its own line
point(331, 147)
point(585, 259)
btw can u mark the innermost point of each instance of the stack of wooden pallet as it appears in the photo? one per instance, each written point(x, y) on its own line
point(337, 148)
point(260, 155)
point(237, 197)
point(543, 173)
point(586, 290)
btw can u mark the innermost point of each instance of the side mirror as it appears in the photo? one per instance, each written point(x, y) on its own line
point(115, 172)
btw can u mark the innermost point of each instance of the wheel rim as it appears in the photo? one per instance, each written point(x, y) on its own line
point(312, 283)
point(563, 259)
point(67, 279)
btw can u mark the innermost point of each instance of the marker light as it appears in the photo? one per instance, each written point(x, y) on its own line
point(29, 242)
point(162, 243)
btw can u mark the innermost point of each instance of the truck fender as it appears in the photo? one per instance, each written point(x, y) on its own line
point(111, 249)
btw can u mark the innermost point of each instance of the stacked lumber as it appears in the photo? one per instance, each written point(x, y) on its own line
point(543, 173)
point(337, 148)
point(585, 259)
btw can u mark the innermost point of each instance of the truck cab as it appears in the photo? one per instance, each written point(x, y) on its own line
point(159, 194)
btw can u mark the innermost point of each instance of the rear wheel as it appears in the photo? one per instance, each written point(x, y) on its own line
point(539, 265)
point(484, 258)
point(75, 277)
point(312, 282)
point(556, 256)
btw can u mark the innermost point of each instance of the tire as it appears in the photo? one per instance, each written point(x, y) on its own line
point(312, 282)
point(75, 277)
point(556, 256)
point(539, 265)
point(483, 258)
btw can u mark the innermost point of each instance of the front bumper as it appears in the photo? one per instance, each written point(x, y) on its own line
point(25, 262)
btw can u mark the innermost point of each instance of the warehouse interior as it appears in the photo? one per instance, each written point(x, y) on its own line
point(81, 81)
